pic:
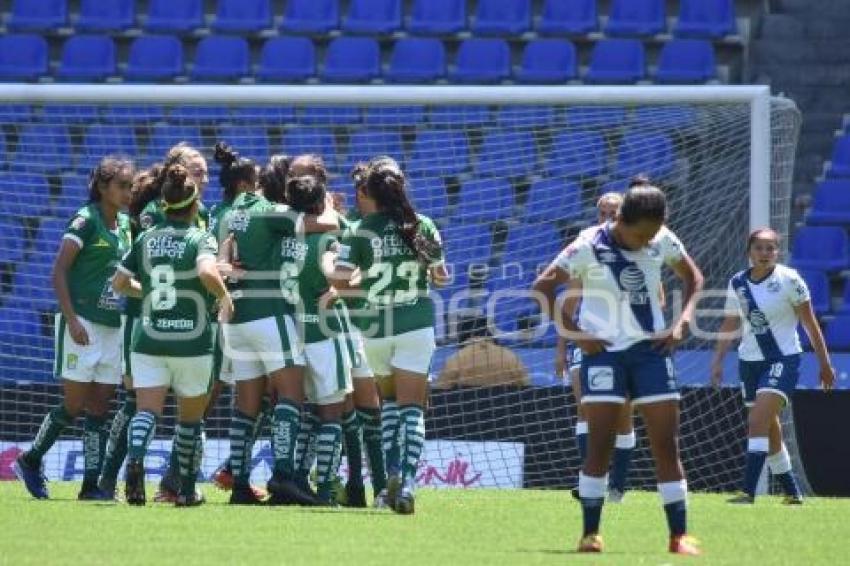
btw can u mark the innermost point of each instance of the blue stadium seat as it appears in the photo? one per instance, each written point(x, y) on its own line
point(330, 115)
point(240, 16)
point(38, 15)
point(75, 192)
point(484, 200)
point(483, 61)
point(254, 114)
point(249, 141)
point(103, 139)
point(11, 240)
point(548, 61)
point(595, 116)
point(672, 117)
point(706, 18)
point(564, 17)
point(439, 152)
point(552, 198)
point(22, 57)
point(840, 162)
point(70, 113)
point(507, 154)
point(87, 58)
point(310, 140)
point(416, 60)
point(522, 116)
point(636, 17)
point(465, 244)
point(831, 203)
point(532, 245)
point(311, 16)
point(3, 155)
point(30, 197)
point(198, 114)
point(514, 309)
point(175, 16)
point(437, 17)
point(837, 333)
point(17, 114)
point(373, 16)
point(106, 15)
point(686, 61)
point(818, 284)
point(641, 153)
point(43, 149)
point(845, 299)
point(27, 354)
point(221, 58)
point(576, 154)
point(32, 285)
point(429, 197)
point(352, 59)
point(616, 61)
point(287, 59)
point(502, 17)
point(365, 144)
point(394, 115)
point(165, 136)
point(465, 116)
point(820, 247)
point(154, 57)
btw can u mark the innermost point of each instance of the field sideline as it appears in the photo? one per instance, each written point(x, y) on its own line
point(450, 527)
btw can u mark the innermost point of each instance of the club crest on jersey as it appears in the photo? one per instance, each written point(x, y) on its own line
point(758, 321)
point(78, 223)
point(146, 221)
point(773, 286)
point(71, 361)
point(239, 221)
point(652, 250)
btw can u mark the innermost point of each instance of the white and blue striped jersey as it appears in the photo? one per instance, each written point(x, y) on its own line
point(609, 305)
point(775, 296)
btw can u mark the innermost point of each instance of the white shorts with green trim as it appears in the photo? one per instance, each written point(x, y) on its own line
point(328, 376)
point(188, 376)
point(360, 368)
point(259, 347)
point(410, 351)
point(98, 362)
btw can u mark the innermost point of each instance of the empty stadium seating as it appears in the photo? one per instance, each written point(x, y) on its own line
point(154, 58)
point(38, 15)
point(831, 203)
point(562, 17)
point(548, 61)
point(106, 15)
point(820, 247)
point(706, 18)
point(234, 16)
point(174, 16)
point(87, 58)
point(287, 59)
point(221, 58)
point(436, 17)
point(373, 16)
point(840, 166)
point(686, 61)
point(22, 57)
point(617, 61)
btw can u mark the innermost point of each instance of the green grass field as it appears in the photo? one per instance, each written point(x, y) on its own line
point(450, 527)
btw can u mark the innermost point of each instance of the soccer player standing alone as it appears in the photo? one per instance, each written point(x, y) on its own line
point(88, 327)
point(770, 299)
point(626, 349)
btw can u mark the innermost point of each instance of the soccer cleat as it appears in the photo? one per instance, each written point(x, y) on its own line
point(575, 494)
point(405, 503)
point(223, 479)
point(285, 491)
point(190, 500)
point(393, 490)
point(32, 476)
point(615, 496)
point(742, 499)
point(108, 487)
point(684, 544)
point(245, 495)
point(134, 490)
point(94, 493)
point(590, 543)
point(795, 499)
point(169, 488)
point(380, 501)
point(355, 495)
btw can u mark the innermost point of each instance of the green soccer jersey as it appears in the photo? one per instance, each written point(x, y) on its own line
point(175, 305)
point(217, 224)
point(90, 276)
point(395, 283)
point(153, 215)
point(258, 226)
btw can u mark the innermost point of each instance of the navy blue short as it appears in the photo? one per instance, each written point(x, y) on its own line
point(777, 376)
point(639, 373)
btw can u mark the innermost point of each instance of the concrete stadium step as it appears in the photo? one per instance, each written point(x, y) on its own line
point(777, 51)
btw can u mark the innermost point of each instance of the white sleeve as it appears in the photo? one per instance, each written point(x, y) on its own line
point(796, 289)
point(575, 258)
point(670, 247)
point(733, 305)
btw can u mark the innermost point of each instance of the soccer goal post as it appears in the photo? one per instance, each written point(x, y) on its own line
point(508, 173)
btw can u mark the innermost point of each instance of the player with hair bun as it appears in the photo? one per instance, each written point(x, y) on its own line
point(770, 299)
point(88, 326)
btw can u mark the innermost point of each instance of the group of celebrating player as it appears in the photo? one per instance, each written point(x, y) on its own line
point(322, 324)
point(255, 293)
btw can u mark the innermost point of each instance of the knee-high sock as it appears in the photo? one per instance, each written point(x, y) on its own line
point(756, 455)
point(51, 427)
point(413, 436)
point(116, 445)
point(142, 428)
point(305, 445)
point(674, 496)
point(581, 439)
point(780, 467)
point(623, 449)
point(241, 447)
point(371, 419)
point(328, 452)
point(95, 435)
point(351, 428)
point(187, 434)
point(287, 420)
point(591, 491)
point(390, 435)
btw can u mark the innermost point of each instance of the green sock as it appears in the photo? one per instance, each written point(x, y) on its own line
point(116, 445)
point(287, 418)
point(186, 445)
point(200, 440)
point(351, 427)
point(305, 445)
point(413, 430)
point(51, 427)
point(173, 461)
point(142, 427)
point(328, 452)
point(371, 419)
point(94, 445)
point(240, 447)
point(390, 436)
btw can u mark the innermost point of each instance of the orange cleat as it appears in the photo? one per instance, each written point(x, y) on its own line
point(684, 544)
point(590, 543)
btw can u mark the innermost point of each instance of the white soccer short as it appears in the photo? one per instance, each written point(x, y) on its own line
point(328, 376)
point(409, 351)
point(225, 365)
point(98, 362)
point(188, 376)
point(259, 347)
point(360, 368)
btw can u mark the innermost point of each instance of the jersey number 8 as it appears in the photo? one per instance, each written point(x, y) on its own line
point(164, 295)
